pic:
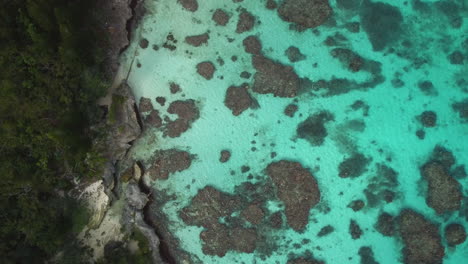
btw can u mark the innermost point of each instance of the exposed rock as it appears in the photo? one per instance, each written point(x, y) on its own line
point(135, 197)
point(225, 156)
point(206, 69)
point(220, 17)
point(305, 13)
point(252, 45)
point(422, 242)
point(367, 255)
point(238, 99)
point(354, 230)
point(357, 205)
point(187, 112)
point(253, 213)
point(297, 188)
point(444, 192)
point(313, 128)
point(114, 16)
point(275, 78)
point(455, 234)
point(123, 121)
point(190, 5)
point(168, 162)
point(290, 110)
point(246, 22)
point(197, 40)
point(326, 230)
point(428, 118)
point(385, 224)
point(382, 23)
point(294, 54)
point(353, 166)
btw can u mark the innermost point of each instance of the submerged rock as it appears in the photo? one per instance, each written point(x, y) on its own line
point(353, 166)
point(462, 109)
point(304, 260)
point(385, 224)
point(421, 239)
point(355, 230)
point(382, 23)
point(274, 77)
point(305, 13)
point(238, 99)
point(313, 128)
point(326, 230)
point(297, 188)
point(294, 54)
point(367, 255)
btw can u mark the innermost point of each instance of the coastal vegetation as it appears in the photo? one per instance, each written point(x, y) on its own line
point(52, 72)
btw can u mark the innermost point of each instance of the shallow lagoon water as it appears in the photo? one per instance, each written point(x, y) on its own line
point(383, 130)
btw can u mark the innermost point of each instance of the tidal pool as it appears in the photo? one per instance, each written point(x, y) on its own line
point(302, 131)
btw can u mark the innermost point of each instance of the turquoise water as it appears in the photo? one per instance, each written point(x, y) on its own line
point(406, 53)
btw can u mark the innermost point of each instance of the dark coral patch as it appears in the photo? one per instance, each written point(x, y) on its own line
point(305, 13)
point(421, 239)
point(168, 162)
point(197, 40)
point(252, 45)
point(238, 99)
point(274, 77)
point(206, 69)
point(455, 234)
point(220, 17)
point(290, 110)
point(187, 112)
point(246, 22)
point(428, 118)
point(294, 54)
point(190, 5)
point(298, 190)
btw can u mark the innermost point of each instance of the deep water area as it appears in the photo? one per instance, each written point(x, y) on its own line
point(304, 131)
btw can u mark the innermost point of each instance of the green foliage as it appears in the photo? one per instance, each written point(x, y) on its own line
point(51, 77)
point(120, 254)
